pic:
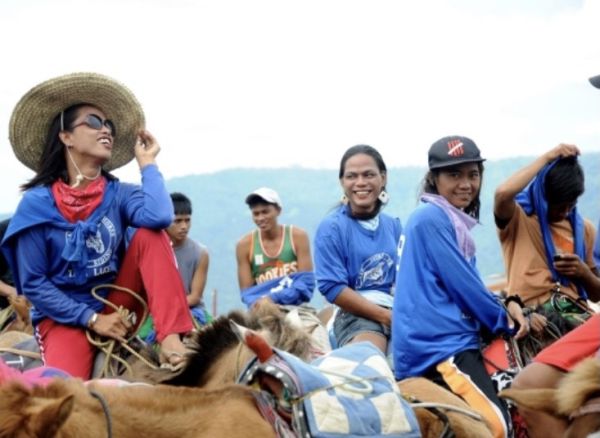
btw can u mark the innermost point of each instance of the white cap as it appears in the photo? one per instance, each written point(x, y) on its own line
point(265, 194)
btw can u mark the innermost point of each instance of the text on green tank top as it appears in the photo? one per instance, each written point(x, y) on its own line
point(265, 268)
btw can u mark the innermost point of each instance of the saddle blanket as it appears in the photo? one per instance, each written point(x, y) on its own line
point(348, 392)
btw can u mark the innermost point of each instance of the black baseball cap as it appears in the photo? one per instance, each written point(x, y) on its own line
point(595, 81)
point(452, 150)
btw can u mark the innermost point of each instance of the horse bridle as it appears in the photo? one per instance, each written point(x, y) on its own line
point(106, 411)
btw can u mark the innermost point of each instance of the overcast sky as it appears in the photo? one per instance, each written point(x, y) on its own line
point(276, 83)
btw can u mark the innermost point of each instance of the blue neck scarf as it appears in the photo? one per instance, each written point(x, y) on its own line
point(533, 201)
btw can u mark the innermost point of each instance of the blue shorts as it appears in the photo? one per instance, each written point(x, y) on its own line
point(347, 325)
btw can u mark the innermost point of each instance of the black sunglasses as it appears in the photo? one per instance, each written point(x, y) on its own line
point(95, 122)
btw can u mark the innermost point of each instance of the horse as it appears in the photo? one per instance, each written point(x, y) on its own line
point(68, 408)
point(575, 400)
point(16, 316)
point(218, 356)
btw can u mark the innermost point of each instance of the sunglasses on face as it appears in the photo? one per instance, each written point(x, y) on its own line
point(95, 122)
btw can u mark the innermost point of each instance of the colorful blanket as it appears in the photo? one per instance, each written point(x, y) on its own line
point(348, 392)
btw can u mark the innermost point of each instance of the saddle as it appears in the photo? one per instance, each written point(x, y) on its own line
point(349, 391)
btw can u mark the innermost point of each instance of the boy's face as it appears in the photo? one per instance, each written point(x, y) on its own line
point(179, 229)
point(265, 216)
point(559, 212)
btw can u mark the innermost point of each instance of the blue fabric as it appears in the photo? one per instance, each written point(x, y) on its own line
point(295, 288)
point(349, 255)
point(56, 264)
point(441, 302)
point(533, 201)
point(362, 412)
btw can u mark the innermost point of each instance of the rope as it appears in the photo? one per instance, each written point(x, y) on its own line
point(106, 410)
point(447, 407)
point(110, 346)
point(18, 352)
point(360, 380)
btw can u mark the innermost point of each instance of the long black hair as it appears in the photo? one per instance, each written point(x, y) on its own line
point(373, 153)
point(52, 165)
point(429, 186)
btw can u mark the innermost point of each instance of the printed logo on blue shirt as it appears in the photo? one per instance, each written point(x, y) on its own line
point(374, 271)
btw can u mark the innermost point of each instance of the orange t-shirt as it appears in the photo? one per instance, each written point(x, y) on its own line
point(525, 256)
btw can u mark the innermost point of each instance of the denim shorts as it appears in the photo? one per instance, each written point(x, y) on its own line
point(347, 325)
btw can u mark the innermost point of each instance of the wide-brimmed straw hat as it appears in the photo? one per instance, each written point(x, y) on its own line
point(33, 115)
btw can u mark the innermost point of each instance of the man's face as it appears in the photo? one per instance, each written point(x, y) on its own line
point(559, 212)
point(265, 216)
point(179, 228)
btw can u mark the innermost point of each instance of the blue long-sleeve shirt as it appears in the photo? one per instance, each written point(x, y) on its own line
point(349, 255)
point(441, 302)
point(56, 263)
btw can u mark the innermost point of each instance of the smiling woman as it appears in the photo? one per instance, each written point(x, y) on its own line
point(437, 281)
point(68, 233)
point(355, 252)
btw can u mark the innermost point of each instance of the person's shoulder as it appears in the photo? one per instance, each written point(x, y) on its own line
point(589, 227)
point(334, 220)
point(298, 232)
point(245, 240)
point(427, 215)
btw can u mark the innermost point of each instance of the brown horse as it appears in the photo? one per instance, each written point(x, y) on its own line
point(70, 409)
point(218, 356)
point(576, 400)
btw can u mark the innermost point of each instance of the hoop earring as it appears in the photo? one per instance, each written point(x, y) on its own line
point(344, 199)
point(384, 197)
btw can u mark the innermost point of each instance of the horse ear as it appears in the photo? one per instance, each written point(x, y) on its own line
point(538, 399)
point(49, 416)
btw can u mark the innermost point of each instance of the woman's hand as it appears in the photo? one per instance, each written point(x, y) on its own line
point(112, 326)
point(537, 322)
point(146, 149)
point(563, 150)
point(385, 316)
point(516, 314)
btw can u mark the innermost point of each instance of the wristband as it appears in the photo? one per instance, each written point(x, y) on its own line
point(517, 299)
point(92, 321)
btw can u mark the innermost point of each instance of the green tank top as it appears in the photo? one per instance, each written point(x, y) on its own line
point(266, 268)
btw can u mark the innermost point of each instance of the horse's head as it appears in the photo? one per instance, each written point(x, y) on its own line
point(34, 412)
point(218, 354)
point(577, 399)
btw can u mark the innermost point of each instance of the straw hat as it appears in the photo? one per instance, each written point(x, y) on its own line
point(33, 115)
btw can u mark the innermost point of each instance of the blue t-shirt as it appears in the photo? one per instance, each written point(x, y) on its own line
point(441, 302)
point(347, 254)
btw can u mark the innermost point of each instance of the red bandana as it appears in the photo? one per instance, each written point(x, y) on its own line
point(76, 204)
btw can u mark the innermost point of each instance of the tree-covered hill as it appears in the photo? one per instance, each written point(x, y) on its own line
point(221, 217)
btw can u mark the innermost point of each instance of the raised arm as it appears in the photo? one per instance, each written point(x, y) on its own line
point(198, 281)
point(504, 198)
point(242, 250)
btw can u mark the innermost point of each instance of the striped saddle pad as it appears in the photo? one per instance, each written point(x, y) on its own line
point(348, 392)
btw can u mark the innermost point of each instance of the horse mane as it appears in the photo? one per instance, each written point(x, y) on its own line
point(208, 343)
point(576, 387)
point(219, 337)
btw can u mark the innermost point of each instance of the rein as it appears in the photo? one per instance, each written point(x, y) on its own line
point(109, 346)
point(106, 411)
point(592, 406)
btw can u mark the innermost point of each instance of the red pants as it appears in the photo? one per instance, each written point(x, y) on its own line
point(148, 269)
point(572, 348)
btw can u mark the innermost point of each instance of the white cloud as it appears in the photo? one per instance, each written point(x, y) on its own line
point(280, 83)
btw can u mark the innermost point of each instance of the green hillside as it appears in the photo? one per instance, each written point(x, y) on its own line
point(221, 217)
